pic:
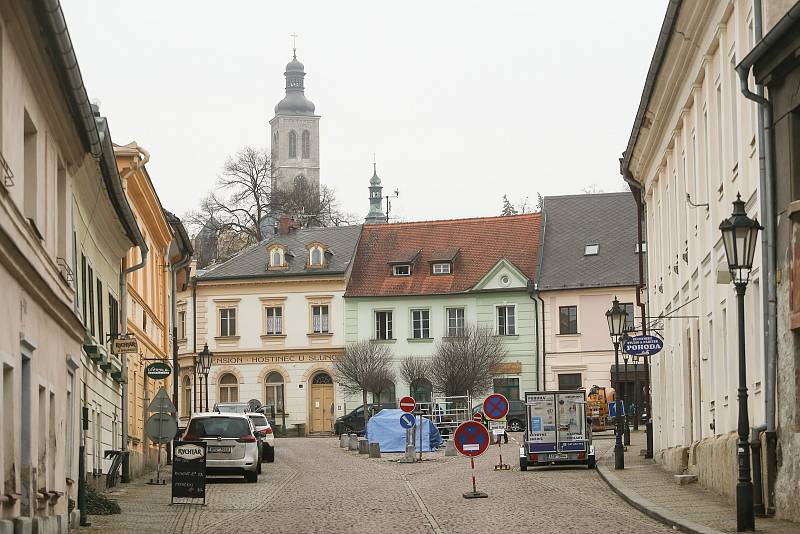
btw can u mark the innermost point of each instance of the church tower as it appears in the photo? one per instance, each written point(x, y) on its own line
point(295, 132)
point(375, 215)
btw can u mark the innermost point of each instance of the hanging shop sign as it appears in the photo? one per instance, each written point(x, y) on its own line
point(158, 370)
point(124, 345)
point(643, 346)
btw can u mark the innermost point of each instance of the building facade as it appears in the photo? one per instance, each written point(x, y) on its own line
point(692, 150)
point(584, 262)
point(274, 318)
point(148, 297)
point(294, 133)
point(416, 284)
point(775, 65)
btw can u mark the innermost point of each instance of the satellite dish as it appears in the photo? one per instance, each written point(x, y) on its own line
point(253, 405)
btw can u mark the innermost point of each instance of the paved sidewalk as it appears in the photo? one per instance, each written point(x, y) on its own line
point(690, 508)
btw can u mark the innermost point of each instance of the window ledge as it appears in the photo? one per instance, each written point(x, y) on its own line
point(226, 338)
point(507, 335)
point(320, 334)
point(576, 334)
point(419, 339)
point(273, 336)
point(383, 340)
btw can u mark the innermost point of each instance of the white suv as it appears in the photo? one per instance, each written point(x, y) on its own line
point(232, 447)
point(264, 433)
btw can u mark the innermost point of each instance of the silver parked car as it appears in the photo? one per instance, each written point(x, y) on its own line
point(232, 445)
point(265, 435)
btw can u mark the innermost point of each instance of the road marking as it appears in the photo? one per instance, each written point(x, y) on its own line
point(421, 505)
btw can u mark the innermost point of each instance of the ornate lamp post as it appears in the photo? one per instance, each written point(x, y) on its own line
point(206, 359)
point(625, 356)
point(739, 235)
point(198, 372)
point(616, 325)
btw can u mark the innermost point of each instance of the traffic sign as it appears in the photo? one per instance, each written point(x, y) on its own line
point(495, 406)
point(643, 346)
point(407, 404)
point(161, 403)
point(612, 408)
point(407, 421)
point(161, 427)
point(471, 438)
point(477, 417)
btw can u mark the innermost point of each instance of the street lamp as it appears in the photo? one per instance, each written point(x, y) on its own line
point(616, 325)
point(206, 359)
point(627, 433)
point(739, 233)
point(198, 372)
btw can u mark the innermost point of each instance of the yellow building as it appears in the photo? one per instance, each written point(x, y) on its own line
point(148, 298)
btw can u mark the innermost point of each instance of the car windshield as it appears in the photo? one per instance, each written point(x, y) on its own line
point(231, 408)
point(259, 420)
point(224, 427)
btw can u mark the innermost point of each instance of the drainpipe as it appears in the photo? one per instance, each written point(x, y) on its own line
point(538, 305)
point(194, 340)
point(769, 294)
point(181, 264)
point(533, 291)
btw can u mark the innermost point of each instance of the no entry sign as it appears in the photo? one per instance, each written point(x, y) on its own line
point(495, 406)
point(477, 417)
point(407, 404)
point(471, 438)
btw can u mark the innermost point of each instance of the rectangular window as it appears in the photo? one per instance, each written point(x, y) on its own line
point(274, 319)
point(455, 322)
point(567, 381)
point(506, 321)
point(441, 268)
point(83, 288)
point(90, 299)
point(113, 315)
point(319, 318)
point(508, 387)
point(401, 270)
point(734, 133)
point(591, 250)
point(100, 326)
point(421, 324)
point(630, 317)
point(720, 138)
point(227, 322)
point(182, 324)
point(30, 173)
point(567, 319)
point(383, 325)
point(62, 208)
point(9, 435)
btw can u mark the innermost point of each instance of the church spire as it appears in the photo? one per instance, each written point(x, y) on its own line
point(375, 215)
point(295, 101)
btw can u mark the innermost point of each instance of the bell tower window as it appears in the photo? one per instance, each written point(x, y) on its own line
point(292, 144)
point(306, 144)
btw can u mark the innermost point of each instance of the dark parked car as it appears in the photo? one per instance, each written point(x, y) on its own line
point(515, 419)
point(353, 422)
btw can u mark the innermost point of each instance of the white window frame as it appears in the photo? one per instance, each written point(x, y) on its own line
point(424, 331)
point(497, 320)
point(444, 267)
point(228, 320)
point(277, 320)
point(389, 325)
point(591, 249)
point(323, 325)
point(281, 253)
point(396, 268)
point(454, 332)
point(311, 261)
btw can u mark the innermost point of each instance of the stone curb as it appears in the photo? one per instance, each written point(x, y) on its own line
point(659, 513)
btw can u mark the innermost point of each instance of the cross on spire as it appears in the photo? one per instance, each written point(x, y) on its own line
point(294, 45)
point(374, 165)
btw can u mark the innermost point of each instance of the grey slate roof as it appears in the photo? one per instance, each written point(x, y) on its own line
point(570, 223)
point(340, 241)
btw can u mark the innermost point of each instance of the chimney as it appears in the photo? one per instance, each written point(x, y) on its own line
point(284, 224)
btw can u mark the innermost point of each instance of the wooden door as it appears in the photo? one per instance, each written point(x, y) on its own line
point(321, 403)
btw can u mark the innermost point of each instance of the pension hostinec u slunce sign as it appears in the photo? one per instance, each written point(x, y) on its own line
point(239, 359)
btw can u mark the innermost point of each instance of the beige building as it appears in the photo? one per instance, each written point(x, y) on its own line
point(59, 201)
point(693, 148)
point(585, 261)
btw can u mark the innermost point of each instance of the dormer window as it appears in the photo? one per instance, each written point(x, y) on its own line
point(316, 255)
point(401, 270)
point(591, 249)
point(277, 258)
point(442, 268)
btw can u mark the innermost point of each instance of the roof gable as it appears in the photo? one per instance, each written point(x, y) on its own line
point(476, 247)
point(504, 275)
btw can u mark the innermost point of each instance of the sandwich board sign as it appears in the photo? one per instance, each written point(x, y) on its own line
point(189, 471)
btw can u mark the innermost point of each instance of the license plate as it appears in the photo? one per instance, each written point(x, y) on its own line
point(219, 448)
point(558, 456)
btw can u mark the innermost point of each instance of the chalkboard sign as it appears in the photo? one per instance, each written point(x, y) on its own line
point(189, 470)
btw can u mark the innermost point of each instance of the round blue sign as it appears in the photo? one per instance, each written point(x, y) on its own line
point(643, 346)
point(407, 420)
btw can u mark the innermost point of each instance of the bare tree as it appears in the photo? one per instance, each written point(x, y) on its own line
point(311, 205)
point(591, 189)
point(465, 364)
point(364, 367)
point(415, 370)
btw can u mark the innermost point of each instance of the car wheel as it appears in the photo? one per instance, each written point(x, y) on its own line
point(251, 476)
point(515, 425)
point(258, 469)
point(592, 463)
point(523, 464)
point(269, 454)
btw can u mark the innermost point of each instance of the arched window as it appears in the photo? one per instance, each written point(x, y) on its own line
point(274, 396)
point(228, 388)
point(315, 257)
point(186, 399)
point(322, 378)
point(276, 258)
point(386, 395)
point(422, 391)
point(306, 144)
point(292, 144)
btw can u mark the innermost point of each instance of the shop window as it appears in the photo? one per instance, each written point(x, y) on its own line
point(228, 388)
point(508, 387)
point(567, 381)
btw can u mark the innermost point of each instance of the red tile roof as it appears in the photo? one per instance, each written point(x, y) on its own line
point(481, 243)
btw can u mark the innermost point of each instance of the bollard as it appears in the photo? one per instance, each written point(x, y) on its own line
point(353, 443)
point(344, 440)
point(363, 446)
point(375, 450)
point(450, 448)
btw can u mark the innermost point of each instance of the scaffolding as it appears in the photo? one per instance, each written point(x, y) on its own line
point(447, 413)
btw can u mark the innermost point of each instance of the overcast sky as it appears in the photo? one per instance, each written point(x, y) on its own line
point(462, 101)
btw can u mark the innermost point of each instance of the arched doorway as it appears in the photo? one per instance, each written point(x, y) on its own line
point(321, 399)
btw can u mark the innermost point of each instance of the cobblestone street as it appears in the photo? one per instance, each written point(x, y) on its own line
point(314, 486)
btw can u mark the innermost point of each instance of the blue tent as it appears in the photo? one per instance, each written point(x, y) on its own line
point(384, 428)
